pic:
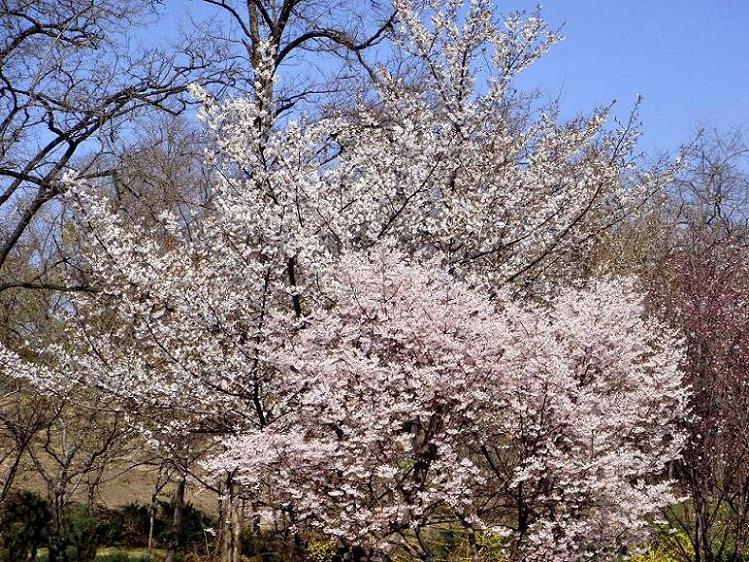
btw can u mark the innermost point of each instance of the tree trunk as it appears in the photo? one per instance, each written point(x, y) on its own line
point(57, 542)
point(475, 556)
point(11, 476)
point(179, 504)
point(230, 519)
point(151, 522)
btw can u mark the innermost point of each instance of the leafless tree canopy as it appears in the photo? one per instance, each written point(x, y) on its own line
point(71, 80)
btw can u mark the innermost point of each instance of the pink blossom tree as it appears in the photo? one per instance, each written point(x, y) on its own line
point(416, 403)
point(340, 322)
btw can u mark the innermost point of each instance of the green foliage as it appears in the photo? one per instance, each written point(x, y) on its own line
point(657, 555)
point(128, 526)
point(194, 523)
point(451, 545)
point(114, 556)
point(665, 544)
point(321, 551)
point(120, 556)
point(263, 545)
point(82, 534)
point(23, 523)
point(449, 540)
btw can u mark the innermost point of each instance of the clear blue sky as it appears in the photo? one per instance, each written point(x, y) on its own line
point(689, 59)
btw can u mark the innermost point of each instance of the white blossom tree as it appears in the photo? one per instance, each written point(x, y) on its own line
point(343, 321)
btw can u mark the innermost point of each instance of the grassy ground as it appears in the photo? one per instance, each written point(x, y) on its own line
point(113, 553)
point(157, 554)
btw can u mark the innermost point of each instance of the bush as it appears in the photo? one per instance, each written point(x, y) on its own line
point(451, 544)
point(23, 523)
point(194, 523)
point(82, 534)
point(128, 526)
point(264, 545)
point(321, 551)
point(665, 544)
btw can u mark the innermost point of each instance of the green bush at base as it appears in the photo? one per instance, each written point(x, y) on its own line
point(23, 524)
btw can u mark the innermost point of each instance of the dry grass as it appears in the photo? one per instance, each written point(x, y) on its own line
point(119, 490)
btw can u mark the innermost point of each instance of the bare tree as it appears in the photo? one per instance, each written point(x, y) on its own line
point(318, 49)
point(713, 186)
point(83, 438)
point(22, 417)
point(71, 81)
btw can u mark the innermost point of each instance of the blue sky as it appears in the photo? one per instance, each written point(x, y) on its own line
point(689, 59)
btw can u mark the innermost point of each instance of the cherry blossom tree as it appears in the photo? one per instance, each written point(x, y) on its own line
point(447, 166)
point(442, 170)
point(407, 401)
point(342, 319)
point(417, 403)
